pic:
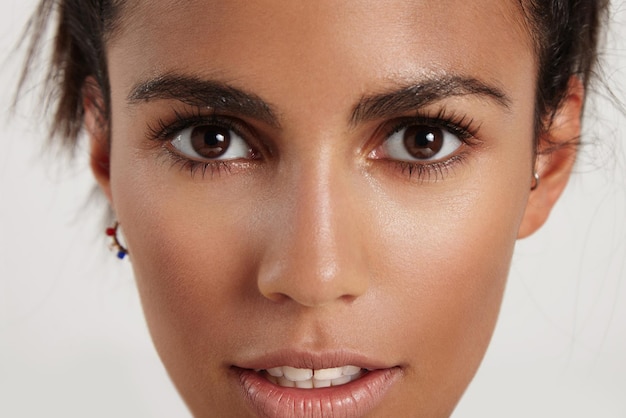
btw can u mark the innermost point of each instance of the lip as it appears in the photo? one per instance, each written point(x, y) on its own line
point(353, 399)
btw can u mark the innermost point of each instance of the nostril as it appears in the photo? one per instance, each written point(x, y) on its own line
point(276, 297)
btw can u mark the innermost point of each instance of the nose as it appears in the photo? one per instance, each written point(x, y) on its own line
point(315, 252)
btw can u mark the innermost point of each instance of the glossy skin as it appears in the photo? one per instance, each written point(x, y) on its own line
point(320, 243)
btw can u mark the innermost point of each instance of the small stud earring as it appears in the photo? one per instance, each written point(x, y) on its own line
point(535, 182)
point(116, 245)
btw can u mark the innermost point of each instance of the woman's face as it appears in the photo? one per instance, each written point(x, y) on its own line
point(321, 184)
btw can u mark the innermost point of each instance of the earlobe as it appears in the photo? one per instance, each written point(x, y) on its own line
point(96, 126)
point(555, 160)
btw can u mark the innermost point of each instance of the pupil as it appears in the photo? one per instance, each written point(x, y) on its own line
point(423, 142)
point(213, 139)
point(210, 141)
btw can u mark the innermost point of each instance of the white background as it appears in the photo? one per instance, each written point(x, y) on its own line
point(73, 343)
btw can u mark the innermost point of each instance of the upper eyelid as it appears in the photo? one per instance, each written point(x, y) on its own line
point(164, 130)
point(459, 124)
point(433, 122)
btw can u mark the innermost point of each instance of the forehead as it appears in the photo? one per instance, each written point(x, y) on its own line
point(347, 41)
point(302, 16)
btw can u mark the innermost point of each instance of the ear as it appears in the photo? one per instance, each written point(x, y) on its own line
point(97, 127)
point(555, 159)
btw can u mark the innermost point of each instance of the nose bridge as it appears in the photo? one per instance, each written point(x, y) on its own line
point(316, 257)
point(319, 216)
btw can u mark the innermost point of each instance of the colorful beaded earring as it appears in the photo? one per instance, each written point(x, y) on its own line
point(116, 245)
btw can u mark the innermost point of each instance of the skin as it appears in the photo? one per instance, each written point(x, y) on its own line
point(323, 242)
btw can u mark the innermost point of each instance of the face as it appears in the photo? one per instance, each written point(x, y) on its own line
point(327, 189)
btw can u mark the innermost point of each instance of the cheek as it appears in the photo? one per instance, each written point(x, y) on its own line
point(193, 259)
point(446, 261)
point(191, 256)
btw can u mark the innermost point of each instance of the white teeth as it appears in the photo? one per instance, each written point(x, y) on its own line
point(287, 376)
point(350, 370)
point(328, 374)
point(297, 375)
point(275, 371)
point(341, 380)
point(321, 383)
point(305, 384)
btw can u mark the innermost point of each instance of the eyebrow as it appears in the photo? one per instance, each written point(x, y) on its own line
point(198, 92)
point(424, 93)
point(220, 96)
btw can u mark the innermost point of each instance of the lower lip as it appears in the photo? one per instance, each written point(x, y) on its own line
point(353, 399)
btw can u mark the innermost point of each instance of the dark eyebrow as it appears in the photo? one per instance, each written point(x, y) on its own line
point(198, 92)
point(415, 96)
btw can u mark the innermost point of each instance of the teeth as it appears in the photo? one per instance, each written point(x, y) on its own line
point(287, 376)
point(350, 370)
point(341, 380)
point(275, 371)
point(322, 383)
point(286, 383)
point(305, 384)
point(328, 374)
point(297, 375)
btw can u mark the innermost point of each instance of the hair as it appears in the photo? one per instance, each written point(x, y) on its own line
point(564, 33)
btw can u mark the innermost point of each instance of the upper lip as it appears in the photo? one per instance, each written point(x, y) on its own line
point(324, 359)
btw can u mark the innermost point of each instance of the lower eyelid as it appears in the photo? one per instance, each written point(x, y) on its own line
point(207, 168)
point(426, 172)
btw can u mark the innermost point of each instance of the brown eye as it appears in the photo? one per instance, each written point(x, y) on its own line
point(423, 142)
point(211, 142)
point(420, 143)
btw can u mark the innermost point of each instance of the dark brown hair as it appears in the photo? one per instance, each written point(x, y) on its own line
point(565, 35)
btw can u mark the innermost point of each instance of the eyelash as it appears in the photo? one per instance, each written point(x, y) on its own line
point(459, 125)
point(462, 126)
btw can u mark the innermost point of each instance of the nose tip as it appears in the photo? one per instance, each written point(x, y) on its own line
point(313, 278)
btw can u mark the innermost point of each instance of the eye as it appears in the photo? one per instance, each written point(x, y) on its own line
point(211, 142)
point(420, 142)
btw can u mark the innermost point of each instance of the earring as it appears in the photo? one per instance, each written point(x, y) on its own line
point(116, 245)
point(535, 182)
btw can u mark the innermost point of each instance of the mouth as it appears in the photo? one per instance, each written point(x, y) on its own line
point(307, 386)
point(292, 377)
